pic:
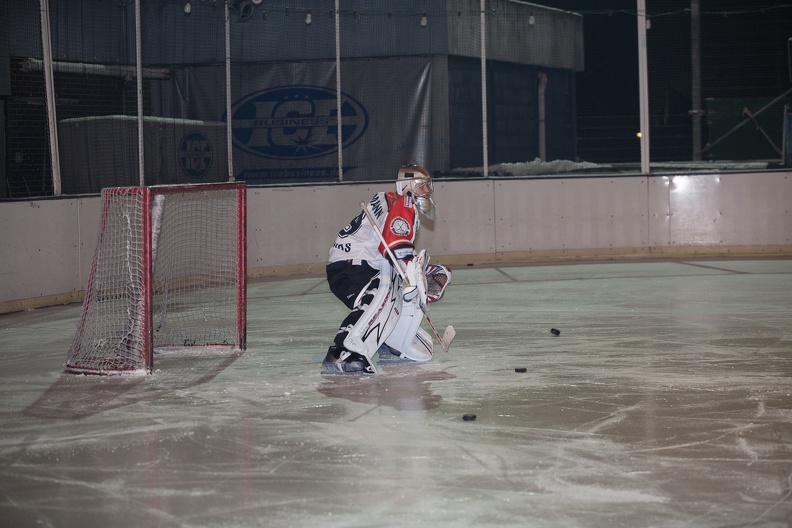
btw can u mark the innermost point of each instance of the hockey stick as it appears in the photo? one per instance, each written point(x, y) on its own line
point(450, 333)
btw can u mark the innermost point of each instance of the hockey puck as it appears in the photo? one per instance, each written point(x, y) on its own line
point(555, 331)
point(468, 417)
point(521, 369)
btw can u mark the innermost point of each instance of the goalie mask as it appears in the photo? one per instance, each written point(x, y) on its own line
point(417, 182)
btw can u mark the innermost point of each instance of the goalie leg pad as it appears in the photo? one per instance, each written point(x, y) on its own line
point(408, 338)
point(381, 309)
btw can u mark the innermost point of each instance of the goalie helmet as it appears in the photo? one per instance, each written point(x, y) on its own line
point(417, 182)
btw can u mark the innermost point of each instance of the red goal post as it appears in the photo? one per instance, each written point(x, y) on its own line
point(169, 271)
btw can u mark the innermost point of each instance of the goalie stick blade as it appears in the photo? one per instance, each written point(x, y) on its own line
point(448, 336)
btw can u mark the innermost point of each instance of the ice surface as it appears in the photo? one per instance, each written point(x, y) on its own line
point(666, 401)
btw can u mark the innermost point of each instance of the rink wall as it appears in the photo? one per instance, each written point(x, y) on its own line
point(47, 244)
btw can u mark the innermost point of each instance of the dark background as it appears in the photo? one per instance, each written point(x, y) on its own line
point(744, 62)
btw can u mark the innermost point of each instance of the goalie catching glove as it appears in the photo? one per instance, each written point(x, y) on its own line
point(437, 278)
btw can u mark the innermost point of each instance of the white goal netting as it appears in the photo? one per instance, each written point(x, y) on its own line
point(168, 272)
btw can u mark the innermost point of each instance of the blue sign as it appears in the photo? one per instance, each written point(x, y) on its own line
point(296, 122)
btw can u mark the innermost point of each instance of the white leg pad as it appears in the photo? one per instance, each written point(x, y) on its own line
point(379, 318)
point(408, 338)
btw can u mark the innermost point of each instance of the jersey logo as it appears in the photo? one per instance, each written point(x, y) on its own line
point(400, 226)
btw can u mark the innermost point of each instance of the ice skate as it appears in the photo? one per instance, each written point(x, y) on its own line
point(339, 361)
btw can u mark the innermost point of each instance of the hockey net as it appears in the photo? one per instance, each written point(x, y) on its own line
point(169, 271)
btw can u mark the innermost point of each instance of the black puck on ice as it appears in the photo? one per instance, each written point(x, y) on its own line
point(521, 369)
point(555, 331)
point(468, 417)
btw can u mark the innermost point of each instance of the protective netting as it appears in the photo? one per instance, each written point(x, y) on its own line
point(323, 91)
point(169, 271)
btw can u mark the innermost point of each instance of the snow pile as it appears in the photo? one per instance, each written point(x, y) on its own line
point(537, 167)
point(531, 168)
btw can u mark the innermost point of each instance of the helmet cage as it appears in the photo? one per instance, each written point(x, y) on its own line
point(412, 176)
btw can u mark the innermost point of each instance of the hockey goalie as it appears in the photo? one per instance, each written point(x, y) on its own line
point(374, 269)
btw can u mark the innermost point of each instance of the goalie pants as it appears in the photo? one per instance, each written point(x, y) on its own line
point(346, 281)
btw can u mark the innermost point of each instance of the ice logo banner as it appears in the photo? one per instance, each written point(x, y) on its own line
point(195, 155)
point(296, 122)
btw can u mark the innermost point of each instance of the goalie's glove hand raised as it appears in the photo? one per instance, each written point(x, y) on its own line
point(415, 285)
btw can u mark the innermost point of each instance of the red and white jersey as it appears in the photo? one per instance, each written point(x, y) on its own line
point(396, 218)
